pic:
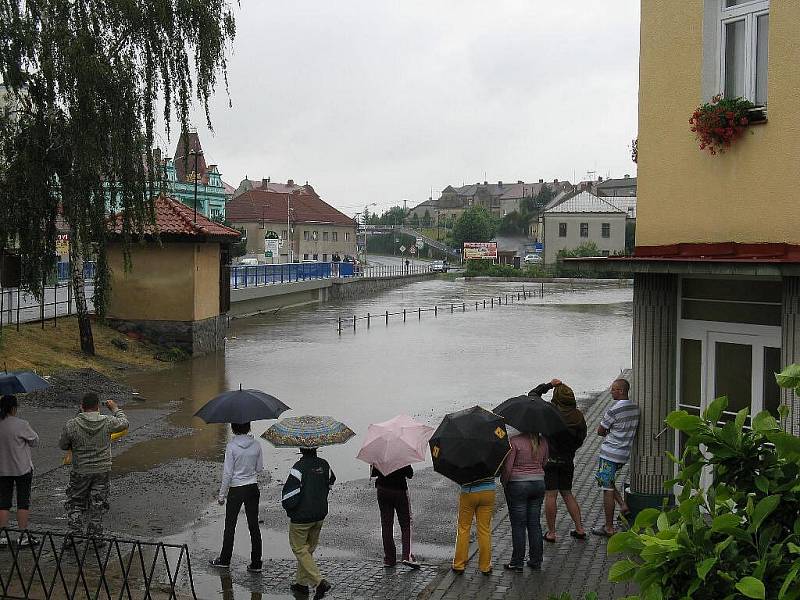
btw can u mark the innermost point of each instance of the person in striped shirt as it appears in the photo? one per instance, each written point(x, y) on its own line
point(618, 427)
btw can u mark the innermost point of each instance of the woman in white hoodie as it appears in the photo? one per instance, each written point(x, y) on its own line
point(243, 462)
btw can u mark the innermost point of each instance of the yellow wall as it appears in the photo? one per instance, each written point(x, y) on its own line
point(173, 282)
point(748, 194)
point(206, 281)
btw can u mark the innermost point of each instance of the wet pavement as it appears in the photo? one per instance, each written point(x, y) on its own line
point(166, 473)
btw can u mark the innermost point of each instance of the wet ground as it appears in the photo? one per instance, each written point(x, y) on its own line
point(166, 472)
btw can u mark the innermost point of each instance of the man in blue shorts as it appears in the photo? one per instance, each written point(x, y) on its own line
point(618, 427)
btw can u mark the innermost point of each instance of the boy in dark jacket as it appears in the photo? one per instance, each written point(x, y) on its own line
point(305, 498)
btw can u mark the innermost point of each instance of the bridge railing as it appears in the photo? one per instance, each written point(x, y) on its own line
point(244, 276)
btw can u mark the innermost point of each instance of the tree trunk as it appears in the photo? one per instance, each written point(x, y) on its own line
point(78, 283)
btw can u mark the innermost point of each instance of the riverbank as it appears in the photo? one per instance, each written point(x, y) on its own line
point(56, 347)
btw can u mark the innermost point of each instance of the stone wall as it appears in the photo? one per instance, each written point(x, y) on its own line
point(352, 289)
point(194, 337)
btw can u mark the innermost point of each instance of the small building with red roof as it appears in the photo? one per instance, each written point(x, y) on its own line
point(177, 291)
point(309, 228)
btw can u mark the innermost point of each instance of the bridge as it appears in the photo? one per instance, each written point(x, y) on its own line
point(392, 229)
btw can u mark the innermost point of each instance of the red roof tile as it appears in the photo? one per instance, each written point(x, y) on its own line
point(175, 219)
point(260, 205)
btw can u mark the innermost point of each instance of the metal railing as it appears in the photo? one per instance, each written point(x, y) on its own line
point(243, 276)
point(71, 567)
point(63, 274)
point(58, 300)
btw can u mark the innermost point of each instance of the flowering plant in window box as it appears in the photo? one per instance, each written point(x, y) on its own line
point(719, 123)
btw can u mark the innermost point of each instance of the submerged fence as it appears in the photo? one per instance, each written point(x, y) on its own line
point(450, 308)
point(71, 567)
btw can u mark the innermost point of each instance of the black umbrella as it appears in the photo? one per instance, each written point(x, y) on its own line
point(531, 414)
point(21, 382)
point(469, 445)
point(241, 406)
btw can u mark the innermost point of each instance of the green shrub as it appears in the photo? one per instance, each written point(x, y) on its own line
point(740, 538)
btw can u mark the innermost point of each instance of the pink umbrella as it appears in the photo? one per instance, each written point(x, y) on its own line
point(395, 443)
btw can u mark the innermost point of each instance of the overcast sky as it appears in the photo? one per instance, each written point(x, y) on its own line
point(379, 101)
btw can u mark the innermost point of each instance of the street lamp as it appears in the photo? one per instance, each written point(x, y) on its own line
point(196, 154)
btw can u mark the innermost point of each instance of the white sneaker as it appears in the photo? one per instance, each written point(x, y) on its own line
point(26, 539)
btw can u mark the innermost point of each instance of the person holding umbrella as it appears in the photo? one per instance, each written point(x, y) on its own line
point(244, 460)
point(560, 469)
point(16, 467)
point(390, 447)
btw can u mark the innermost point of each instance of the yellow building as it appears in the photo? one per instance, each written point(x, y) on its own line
point(178, 289)
point(717, 259)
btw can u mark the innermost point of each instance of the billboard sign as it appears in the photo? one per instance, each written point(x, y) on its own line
point(480, 250)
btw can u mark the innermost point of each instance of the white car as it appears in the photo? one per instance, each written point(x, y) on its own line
point(532, 259)
point(248, 262)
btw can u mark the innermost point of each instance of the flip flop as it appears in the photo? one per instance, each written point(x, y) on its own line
point(577, 536)
point(551, 540)
point(601, 531)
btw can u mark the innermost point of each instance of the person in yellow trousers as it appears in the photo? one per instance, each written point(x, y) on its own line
point(476, 501)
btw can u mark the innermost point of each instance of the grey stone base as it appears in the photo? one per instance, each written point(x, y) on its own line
point(195, 337)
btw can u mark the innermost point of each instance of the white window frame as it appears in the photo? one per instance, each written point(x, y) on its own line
point(749, 13)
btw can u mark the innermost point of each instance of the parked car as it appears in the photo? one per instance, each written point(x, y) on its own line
point(532, 259)
point(248, 262)
point(439, 266)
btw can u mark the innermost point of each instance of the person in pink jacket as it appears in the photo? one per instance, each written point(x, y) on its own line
point(523, 483)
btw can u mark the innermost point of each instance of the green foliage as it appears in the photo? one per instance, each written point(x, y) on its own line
point(474, 225)
point(84, 81)
point(486, 268)
point(585, 249)
point(740, 537)
point(414, 220)
point(630, 236)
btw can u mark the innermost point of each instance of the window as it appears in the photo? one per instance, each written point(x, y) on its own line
point(324, 236)
point(584, 230)
point(315, 235)
point(283, 235)
point(324, 258)
point(306, 235)
point(346, 237)
point(562, 230)
point(744, 49)
point(335, 236)
point(216, 213)
point(316, 257)
point(305, 256)
point(605, 230)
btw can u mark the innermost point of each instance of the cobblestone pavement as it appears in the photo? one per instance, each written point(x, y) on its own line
point(570, 565)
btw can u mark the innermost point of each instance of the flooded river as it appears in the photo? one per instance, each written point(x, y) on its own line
point(424, 368)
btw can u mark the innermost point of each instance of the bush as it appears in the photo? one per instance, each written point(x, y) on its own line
point(740, 538)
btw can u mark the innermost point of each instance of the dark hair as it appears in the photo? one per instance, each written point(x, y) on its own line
point(240, 428)
point(308, 451)
point(90, 401)
point(7, 404)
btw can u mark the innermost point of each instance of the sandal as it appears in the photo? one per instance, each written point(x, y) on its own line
point(601, 531)
point(577, 536)
point(551, 540)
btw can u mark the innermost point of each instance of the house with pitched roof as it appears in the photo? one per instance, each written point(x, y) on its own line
point(309, 228)
point(580, 218)
point(177, 291)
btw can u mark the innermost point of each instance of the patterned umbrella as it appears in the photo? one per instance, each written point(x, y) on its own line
point(307, 431)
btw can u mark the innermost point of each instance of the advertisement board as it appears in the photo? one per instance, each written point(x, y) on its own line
point(480, 250)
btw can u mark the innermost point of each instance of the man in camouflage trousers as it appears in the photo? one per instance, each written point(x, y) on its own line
point(88, 436)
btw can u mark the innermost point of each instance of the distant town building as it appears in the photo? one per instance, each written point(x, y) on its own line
point(499, 198)
point(308, 227)
point(583, 218)
point(269, 186)
point(626, 186)
point(212, 192)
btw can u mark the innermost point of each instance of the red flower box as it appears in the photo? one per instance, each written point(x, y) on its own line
point(719, 123)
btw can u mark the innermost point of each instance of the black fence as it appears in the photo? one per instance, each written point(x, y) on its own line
point(63, 566)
